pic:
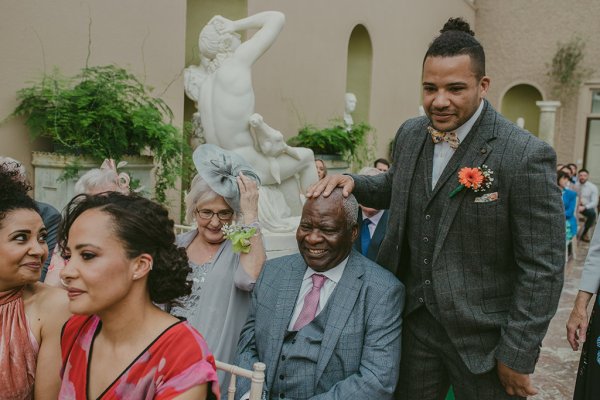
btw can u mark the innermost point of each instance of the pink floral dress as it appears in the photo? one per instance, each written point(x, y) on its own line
point(176, 361)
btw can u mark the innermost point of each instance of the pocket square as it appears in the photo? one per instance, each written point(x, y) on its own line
point(486, 198)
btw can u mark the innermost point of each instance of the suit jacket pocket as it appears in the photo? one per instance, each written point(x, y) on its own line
point(496, 304)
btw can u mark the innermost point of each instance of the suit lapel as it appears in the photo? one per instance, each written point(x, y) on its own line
point(474, 155)
point(378, 235)
point(286, 301)
point(342, 303)
point(405, 168)
point(428, 167)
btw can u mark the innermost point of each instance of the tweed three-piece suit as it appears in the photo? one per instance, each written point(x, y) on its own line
point(488, 268)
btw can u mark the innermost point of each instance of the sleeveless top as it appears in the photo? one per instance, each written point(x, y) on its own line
point(18, 348)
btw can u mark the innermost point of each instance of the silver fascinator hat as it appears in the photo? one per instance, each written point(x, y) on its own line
point(219, 169)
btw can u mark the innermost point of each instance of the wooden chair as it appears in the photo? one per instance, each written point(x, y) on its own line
point(257, 375)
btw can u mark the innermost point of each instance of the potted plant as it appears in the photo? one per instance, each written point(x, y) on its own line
point(103, 112)
point(338, 144)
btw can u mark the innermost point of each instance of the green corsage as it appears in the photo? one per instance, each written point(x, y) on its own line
point(240, 236)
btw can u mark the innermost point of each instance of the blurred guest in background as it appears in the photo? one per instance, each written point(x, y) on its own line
point(588, 200)
point(570, 201)
point(382, 164)
point(321, 168)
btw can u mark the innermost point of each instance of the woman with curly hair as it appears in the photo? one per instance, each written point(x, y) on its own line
point(121, 261)
point(31, 313)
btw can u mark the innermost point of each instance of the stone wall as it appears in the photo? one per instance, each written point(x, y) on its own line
point(520, 38)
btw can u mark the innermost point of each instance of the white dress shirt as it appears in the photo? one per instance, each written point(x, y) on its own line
point(442, 152)
point(333, 277)
point(374, 221)
point(588, 194)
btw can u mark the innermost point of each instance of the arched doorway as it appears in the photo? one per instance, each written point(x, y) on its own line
point(358, 71)
point(519, 102)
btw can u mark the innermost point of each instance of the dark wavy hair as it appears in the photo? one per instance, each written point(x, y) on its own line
point(143, 227)
point(560, 175)
point(13, 191)
point(456, 38)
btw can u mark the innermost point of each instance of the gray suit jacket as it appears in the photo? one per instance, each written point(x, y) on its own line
point(497, 266)
point(377, 238)
point(360, 353)
point(52, 219)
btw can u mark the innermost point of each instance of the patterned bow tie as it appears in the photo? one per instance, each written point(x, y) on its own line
point(438, 137)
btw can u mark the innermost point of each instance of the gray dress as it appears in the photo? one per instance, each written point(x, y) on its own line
point(220, 299)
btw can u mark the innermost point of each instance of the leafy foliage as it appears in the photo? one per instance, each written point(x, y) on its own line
point(104, 112)
point(337, 139)
point(566, 72)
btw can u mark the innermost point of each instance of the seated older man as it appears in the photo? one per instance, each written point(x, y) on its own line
point(326, 322)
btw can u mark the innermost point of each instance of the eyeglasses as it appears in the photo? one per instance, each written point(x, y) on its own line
point(223, 215)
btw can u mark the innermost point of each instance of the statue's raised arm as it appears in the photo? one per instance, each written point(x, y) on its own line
point(269, 25)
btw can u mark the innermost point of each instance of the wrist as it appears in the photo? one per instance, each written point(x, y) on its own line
point(583, 299)
point(249, 218)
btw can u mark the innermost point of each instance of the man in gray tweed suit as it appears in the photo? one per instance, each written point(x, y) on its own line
point(327, 321)
point(483, 268)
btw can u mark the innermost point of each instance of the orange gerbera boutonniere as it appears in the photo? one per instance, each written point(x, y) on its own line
point(477, 179)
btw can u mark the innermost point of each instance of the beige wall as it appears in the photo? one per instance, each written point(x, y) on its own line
point(302, 78)
point(520, 38)
point(146, 36)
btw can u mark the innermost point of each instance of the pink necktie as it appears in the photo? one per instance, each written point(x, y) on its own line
point(311, 302)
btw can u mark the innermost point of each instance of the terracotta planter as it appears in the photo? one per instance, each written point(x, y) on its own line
point(49, 167)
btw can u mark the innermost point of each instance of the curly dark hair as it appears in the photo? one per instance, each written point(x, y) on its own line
point(456, 38)
point(143, 227)
point(13, 191)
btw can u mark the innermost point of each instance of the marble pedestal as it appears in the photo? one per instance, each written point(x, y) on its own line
point(280, 244)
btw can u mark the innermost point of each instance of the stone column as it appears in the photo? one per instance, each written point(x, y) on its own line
point(547, 120)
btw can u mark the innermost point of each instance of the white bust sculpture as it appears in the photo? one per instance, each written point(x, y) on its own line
point(222, 88)
point(521, 122)
point(350, 106)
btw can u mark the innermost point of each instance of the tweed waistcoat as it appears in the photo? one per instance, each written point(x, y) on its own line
point(425, 209)
point(298, 360)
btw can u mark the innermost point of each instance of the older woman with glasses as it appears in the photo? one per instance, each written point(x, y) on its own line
point(224, 192)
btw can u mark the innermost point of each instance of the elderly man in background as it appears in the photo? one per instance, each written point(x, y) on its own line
point(326, 322)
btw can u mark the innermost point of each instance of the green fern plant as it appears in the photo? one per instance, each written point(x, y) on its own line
point(337, 139)
point(104, 112)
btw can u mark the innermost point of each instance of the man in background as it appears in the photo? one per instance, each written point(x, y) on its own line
point(588, 200)
point(372, 224)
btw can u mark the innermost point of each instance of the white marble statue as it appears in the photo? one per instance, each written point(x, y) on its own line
point(222, 88)
point(350, 106)
point(521, 122)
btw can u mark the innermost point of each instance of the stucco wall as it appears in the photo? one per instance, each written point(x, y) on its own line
point(146, 36)
point(302, 78)
point(520, 38)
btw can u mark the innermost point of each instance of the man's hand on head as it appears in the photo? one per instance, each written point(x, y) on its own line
point(326, 185)
point(515, 383)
